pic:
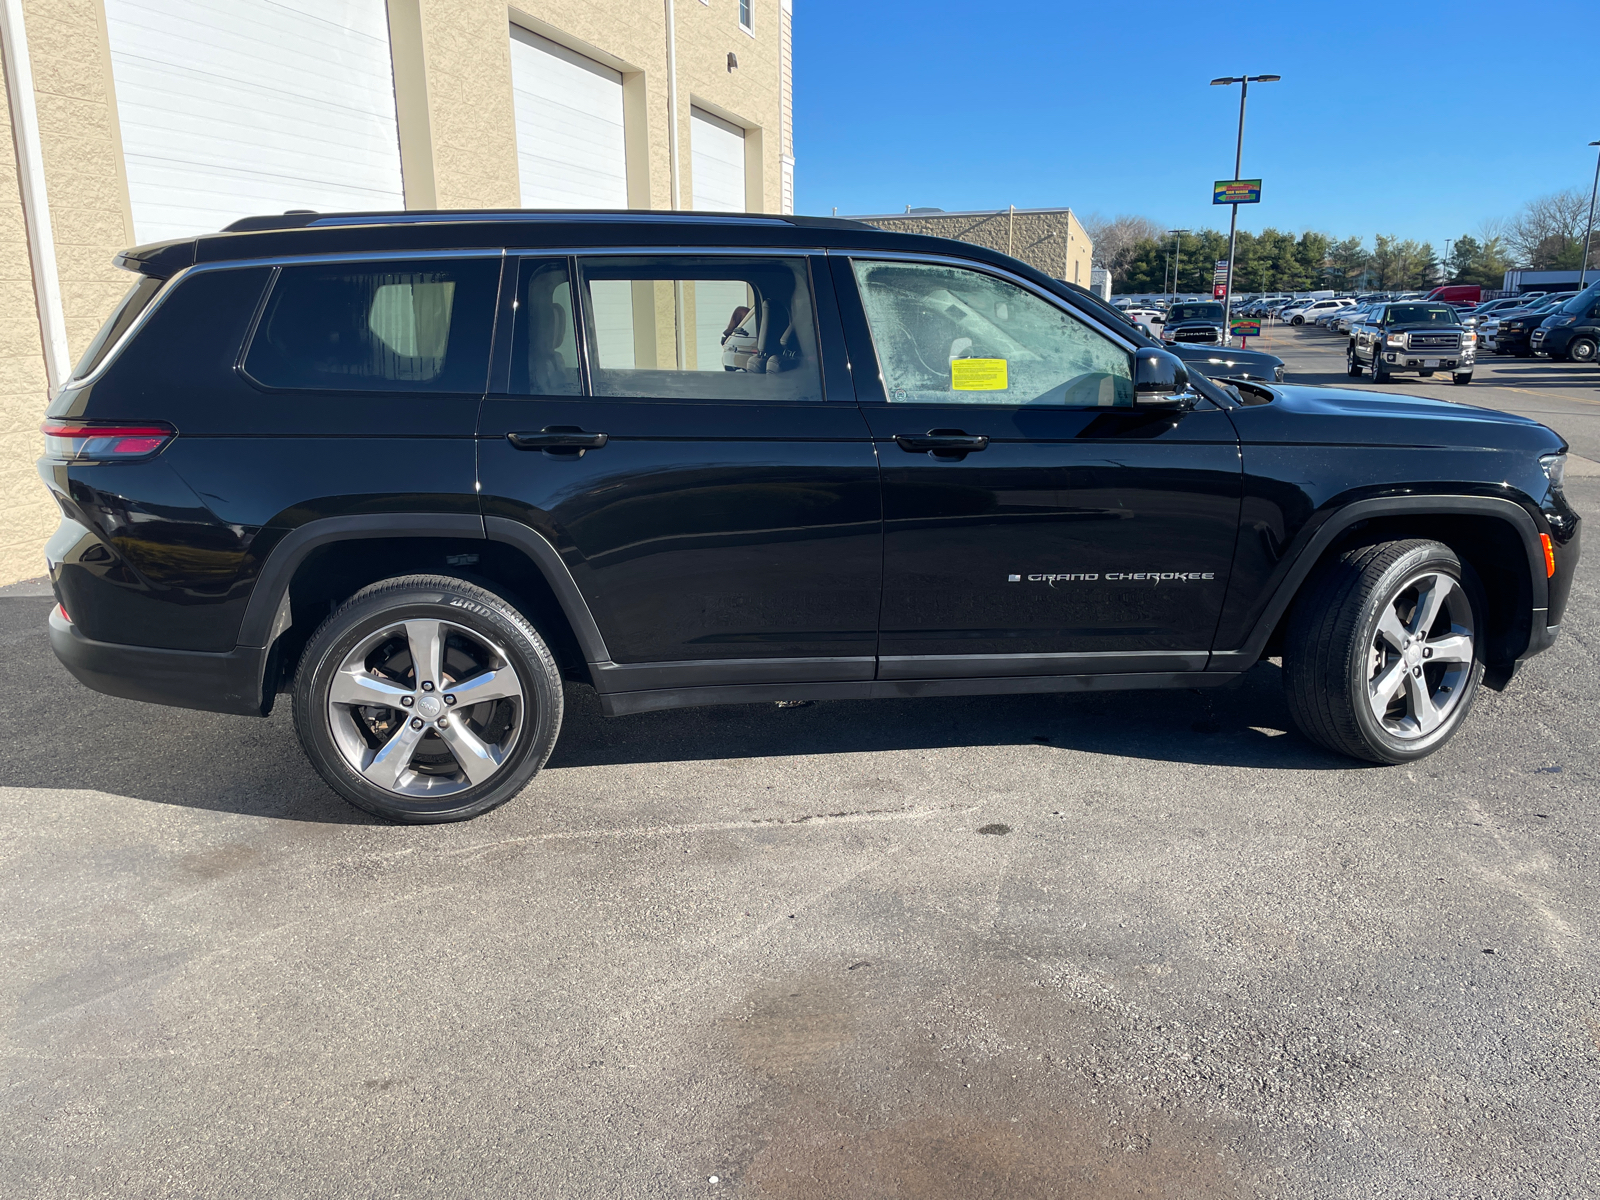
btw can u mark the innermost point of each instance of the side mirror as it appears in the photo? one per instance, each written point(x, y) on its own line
point(1470, 322)
point(1160, 380)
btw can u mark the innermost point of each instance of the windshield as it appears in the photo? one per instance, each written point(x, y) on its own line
point(1421, 314)
point(1196, 312)
point(1580, 303)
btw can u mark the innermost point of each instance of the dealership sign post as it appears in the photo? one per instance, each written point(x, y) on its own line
point(1236, 191)
point(1242, 328)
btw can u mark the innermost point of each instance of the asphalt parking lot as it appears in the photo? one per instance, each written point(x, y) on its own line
point(1109, 946)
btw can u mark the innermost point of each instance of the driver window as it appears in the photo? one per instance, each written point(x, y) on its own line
point(946, 335)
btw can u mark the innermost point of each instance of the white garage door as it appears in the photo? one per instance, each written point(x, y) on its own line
point(716, 163)
point(570, 151)
point(234, 107)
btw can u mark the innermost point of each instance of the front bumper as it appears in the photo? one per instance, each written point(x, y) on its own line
point(1459, 361)
point(225, 682)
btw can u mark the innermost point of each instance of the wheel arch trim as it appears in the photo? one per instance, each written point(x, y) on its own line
point(1341, 520)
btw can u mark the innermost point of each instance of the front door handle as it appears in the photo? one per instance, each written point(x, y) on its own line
point(937, 441)
point(562, 441)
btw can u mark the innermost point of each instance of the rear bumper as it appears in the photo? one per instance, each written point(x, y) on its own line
point(225, 682)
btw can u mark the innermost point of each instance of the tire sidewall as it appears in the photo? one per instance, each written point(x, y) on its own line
point(1587, 346)
point(466, 605)
point(1384, 744)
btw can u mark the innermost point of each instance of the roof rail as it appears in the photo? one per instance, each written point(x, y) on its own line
point(308, 220)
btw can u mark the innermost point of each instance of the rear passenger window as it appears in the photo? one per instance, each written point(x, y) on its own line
point(683, 328)
point(418, 326)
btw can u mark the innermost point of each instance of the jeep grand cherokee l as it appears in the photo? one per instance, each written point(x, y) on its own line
point(417, 469)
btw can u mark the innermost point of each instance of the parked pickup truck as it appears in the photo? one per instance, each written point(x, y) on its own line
point(1419, 336)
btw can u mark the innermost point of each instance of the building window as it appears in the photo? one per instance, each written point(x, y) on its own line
point(746, 22)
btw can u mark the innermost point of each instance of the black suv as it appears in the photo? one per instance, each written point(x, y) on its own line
point(418, 468)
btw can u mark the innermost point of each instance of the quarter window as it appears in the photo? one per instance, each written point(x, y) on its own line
point(395, 326)
point(544, 349)
point(946, 335)
point(701, 328)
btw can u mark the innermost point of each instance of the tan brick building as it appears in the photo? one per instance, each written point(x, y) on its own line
point(130, 121)
point(1048, 239)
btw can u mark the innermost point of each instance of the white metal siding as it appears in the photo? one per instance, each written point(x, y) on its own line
point(570, 149)
point(716, 163)
point(234, 107)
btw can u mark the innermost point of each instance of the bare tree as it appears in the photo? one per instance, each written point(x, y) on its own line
point(1117, 240)
point(1547, 228)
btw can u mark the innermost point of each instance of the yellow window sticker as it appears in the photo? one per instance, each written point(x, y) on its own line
point(978, 374)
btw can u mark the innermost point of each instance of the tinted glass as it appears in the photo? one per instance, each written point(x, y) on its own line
point(544, 345)
point(1418, 314)
point(945, 335)
point(1585, 300)
point(127, 312)
point(1196, 312)
point(419, 326)
point(685, 328)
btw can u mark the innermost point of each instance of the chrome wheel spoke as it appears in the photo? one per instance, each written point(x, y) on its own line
point(363, 687)
point(1392, 630)
point(1429, 602)
point(1420, 703)
point(1451, 648)
point(426, 639)
point(501, 684)
point(477, 760)
point(1382, 690)
point(391, 761)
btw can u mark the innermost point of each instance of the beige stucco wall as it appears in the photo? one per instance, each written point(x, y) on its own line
point(26, 514)
point(1048, 239)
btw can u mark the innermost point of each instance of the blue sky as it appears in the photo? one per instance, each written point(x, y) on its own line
point(1390, 123)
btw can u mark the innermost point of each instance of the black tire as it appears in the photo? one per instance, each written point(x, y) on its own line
point(1379, 373)
point(520, 731)
point(1426, 374)
point(1461, 380)
point(1582, 350)
point(1297, 320)
point(1335, 655)
point(1352, 364)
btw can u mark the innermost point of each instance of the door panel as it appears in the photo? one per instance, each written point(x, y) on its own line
point(1077, 539)
point(712, 526)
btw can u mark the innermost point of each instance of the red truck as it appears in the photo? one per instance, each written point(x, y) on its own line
point(1457, 293)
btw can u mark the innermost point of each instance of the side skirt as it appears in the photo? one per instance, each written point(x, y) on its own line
point(618, 704)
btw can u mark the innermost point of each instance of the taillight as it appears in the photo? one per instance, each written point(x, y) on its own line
point(62, 609)
point(83, 440)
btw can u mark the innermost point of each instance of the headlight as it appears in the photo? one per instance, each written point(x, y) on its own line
point(1469, 339)
point(1557, 322)
point(1395, 339)
point(1555, 468)
point(1512, 325)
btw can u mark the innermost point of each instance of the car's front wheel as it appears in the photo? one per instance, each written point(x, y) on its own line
point(1461, 378)
point(1582, 350)
point(1352, 364)
point(427, 698)
point(1382, 658)
point(1379, 374)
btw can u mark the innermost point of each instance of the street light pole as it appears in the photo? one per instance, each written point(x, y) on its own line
point(1244, 82)
point(1177, 261)
point(1588, 233)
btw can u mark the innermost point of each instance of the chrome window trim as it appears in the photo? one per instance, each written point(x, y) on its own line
point(240, 264)
point(945, 260)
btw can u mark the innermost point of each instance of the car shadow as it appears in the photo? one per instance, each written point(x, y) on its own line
point(64, 736)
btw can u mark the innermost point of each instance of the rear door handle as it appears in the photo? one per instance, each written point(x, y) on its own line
point(937, 440)
point(561, 440)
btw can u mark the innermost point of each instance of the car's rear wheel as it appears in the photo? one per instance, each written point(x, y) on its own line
point(1582, 350)
point(1382, 658)
point(427, 698)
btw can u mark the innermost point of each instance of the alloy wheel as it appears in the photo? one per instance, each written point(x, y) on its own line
point(1421, 656)
point(426, 708)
